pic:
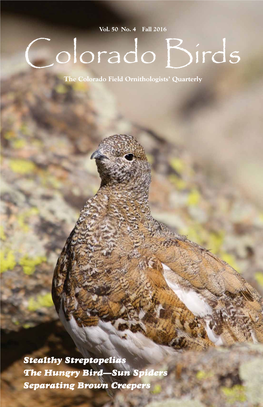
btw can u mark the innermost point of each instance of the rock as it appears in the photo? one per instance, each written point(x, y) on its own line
point(218, 377)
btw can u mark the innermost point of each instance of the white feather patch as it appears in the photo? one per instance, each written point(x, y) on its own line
point(104, 340)
point(195, 303)
point(191, 299)
point(211, 335)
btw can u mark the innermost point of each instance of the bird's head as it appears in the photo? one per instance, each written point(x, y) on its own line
point(121, 160)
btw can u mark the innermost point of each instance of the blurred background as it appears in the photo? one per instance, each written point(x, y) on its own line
point(204, 142)
point(220, 120)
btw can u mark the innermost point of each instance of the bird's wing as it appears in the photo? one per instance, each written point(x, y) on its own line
point(230, 308)
point(130, 301)
point(162, 316)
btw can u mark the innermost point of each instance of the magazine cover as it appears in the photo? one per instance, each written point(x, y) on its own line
point(131, 203)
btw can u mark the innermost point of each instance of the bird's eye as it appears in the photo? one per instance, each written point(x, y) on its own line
point(129, 157)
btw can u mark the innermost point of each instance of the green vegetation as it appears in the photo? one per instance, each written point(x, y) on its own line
point(42, 301)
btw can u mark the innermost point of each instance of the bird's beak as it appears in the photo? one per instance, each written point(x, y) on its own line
point(98, 155)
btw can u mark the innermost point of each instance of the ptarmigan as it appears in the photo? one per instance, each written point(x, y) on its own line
point(126, 286)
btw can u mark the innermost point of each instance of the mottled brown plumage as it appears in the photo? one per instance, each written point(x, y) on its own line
point(124, 282)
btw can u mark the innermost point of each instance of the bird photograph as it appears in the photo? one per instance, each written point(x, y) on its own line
point(127, 286)
point(131, 212)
